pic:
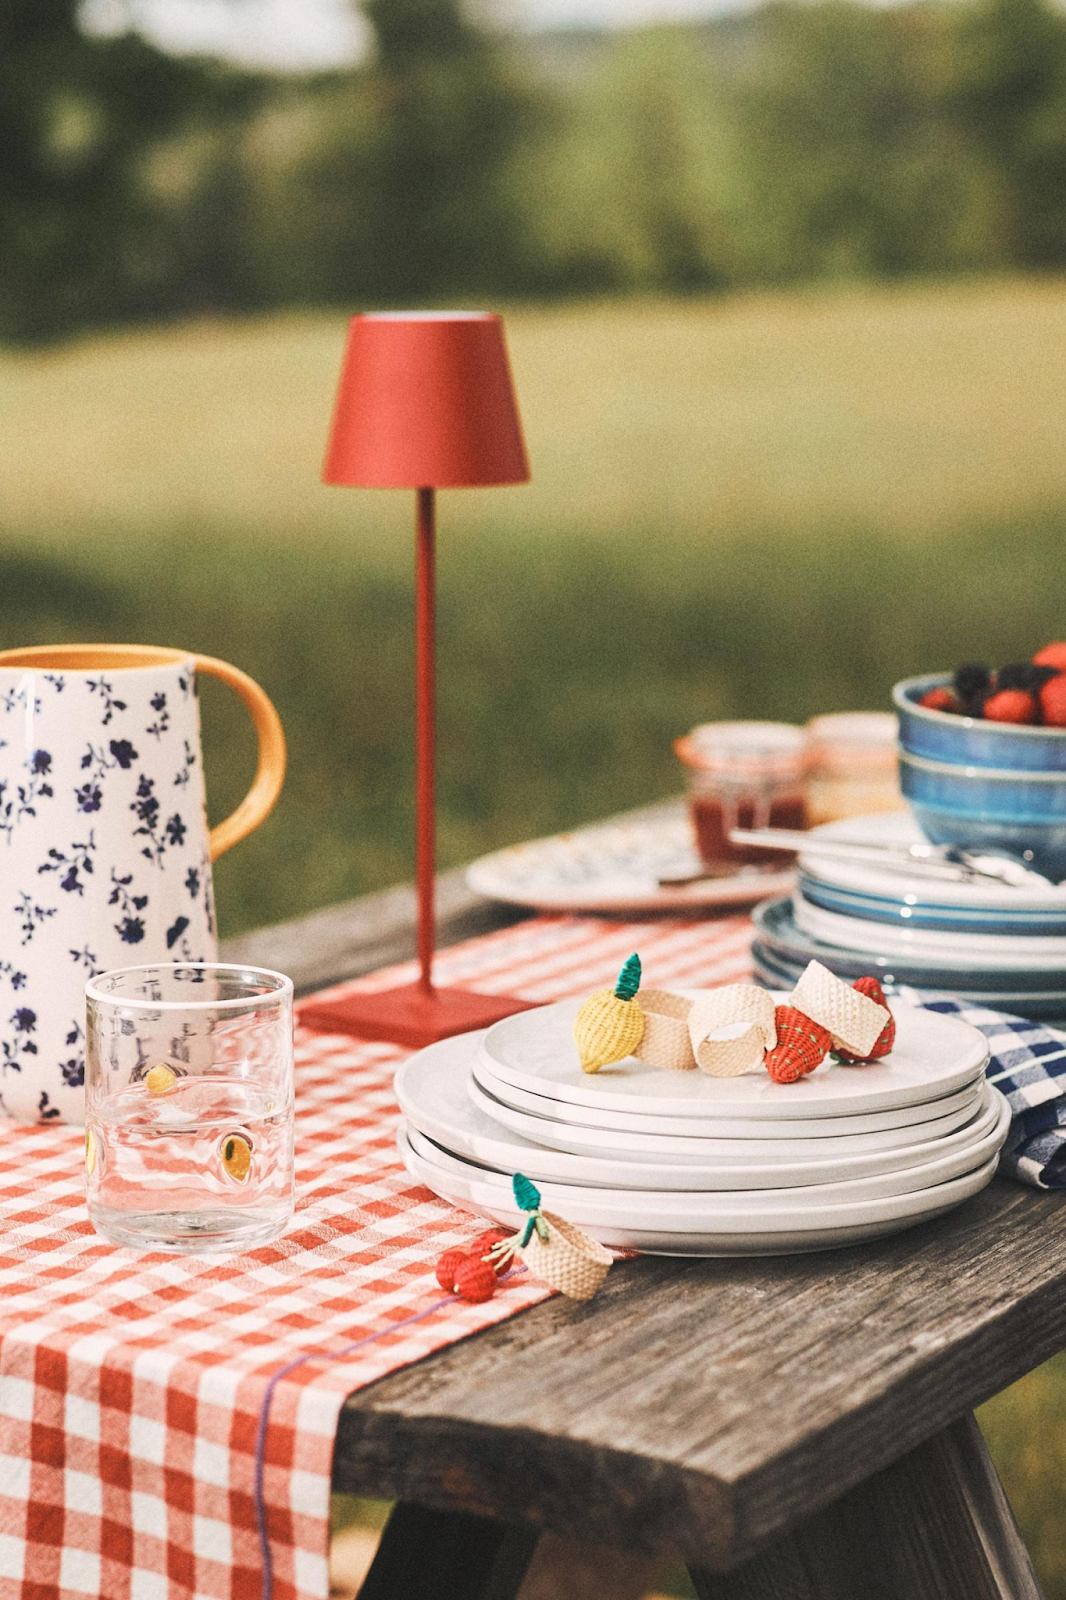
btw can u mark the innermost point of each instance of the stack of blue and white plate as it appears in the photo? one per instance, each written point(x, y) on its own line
point(986, 942)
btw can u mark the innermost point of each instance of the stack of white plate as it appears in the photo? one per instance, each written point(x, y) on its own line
point(987, 942)
point(685, 1164)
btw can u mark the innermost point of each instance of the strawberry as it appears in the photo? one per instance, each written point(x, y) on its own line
point(887, 1037)
point(1053, 701)
point(801, 1045)
point(939, 700)
point(486, 1242)
point(1052, 655)
point(474, 1279)
point(1011, 705)
point(447, 1267)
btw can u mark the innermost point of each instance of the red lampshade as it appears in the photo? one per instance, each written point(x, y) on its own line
point(425, 401)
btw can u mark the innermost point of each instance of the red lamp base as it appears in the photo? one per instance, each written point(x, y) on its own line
point(410, 1016)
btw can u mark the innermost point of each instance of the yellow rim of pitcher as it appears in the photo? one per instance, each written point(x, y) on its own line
point(270, 770)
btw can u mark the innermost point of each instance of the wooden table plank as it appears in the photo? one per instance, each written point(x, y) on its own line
point(694, 1408)
point(725, 1399)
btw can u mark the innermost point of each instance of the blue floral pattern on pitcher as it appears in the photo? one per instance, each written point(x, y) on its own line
point(104, 858)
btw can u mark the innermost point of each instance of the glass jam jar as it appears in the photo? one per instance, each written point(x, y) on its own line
point(854, 770)
point(744, 775)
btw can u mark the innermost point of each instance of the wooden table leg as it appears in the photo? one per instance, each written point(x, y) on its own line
point(934, 1526)
point(448, 1555)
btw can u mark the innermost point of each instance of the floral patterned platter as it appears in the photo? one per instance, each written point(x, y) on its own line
point(616, 867)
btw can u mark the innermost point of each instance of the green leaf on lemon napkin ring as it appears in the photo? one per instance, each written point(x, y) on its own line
point(628, 979)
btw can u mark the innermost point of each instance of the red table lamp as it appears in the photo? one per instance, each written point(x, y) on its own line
point(425, 402)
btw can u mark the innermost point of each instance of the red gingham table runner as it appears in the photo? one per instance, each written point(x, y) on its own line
point(132, 1385)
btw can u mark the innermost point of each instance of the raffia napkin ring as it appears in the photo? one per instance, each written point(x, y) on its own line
point(731, 1028)
point(666, 1043)
point(567, 1258)
point(853, 1019)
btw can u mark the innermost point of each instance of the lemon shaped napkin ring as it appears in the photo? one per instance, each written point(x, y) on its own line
point(853, 1019)
point(610, 1024)
point(731, 1028)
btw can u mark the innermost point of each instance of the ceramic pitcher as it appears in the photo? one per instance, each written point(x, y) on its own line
point(105, 853)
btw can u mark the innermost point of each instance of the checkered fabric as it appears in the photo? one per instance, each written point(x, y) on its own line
point(132, 1386)
point(1028, 1065)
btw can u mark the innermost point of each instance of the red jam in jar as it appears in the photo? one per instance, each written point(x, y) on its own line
point(744, 775)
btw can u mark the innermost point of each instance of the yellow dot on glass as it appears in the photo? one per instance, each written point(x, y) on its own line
point(157, 1080)
point(90, 1151)
point(237, 1156)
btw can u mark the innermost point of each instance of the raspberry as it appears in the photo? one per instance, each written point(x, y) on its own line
point(801, 1045)
point(1052, 655)
point(1053, 701)
point(887, 1037)
point(1011, 705)
point(474, 1279)
point(485, 1242)
point(447, 1267)
point(939, 700)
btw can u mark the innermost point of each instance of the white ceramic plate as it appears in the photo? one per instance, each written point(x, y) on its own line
point(616, 867)
point(933, 1056)
point(966, 1100)
point(940, 1169)
point(431, 1089)
point(1044, 953)
point(672, 1147)
point(757, 1233)
point(899, 827)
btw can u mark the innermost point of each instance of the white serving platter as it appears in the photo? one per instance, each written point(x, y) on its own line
point(934, 1055)
point(758, 1233)
point(538, 1105)
point(796, 1147)
point(939, 1169)
point(616, 866)
point(1001, 951)
point(431, 1087)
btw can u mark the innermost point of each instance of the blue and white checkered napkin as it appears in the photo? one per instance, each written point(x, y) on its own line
point(1028, 1065)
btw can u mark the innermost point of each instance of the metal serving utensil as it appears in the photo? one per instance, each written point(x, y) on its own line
point(949, 863)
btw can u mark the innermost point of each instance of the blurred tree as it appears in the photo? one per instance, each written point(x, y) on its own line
point(1010, 91)
point(78, 234)
point(412, 181)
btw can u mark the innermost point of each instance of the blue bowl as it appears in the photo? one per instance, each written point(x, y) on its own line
point(970, 741)
point(993, 785)
point(990, 808)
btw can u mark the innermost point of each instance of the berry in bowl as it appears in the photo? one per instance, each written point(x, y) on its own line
point(983, 757)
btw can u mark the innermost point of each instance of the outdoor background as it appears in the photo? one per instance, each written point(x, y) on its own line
point(787, 317)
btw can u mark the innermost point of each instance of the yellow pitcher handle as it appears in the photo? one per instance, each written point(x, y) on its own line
point(270, 773)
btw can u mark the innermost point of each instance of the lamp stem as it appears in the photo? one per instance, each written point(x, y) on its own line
point(425, 733)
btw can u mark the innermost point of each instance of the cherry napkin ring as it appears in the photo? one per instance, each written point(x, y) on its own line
point(730, 1028)
point(666, 1043)
point(854, 1021)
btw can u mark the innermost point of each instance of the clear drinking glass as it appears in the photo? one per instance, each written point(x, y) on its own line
point(189, 1106)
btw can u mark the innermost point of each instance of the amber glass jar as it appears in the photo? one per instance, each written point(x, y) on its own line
point(854, 770)
point(743, 775)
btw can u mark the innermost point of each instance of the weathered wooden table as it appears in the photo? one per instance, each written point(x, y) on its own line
point(793, 1429)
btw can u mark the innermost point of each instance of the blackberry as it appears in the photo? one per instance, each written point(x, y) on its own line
point(1023, 675)
point(972, 680)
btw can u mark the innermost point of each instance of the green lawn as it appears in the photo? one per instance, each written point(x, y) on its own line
point(771, 506)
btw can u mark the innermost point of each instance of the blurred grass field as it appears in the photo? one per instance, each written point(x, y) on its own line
point(769, 506)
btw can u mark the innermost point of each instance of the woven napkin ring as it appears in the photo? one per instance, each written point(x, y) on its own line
point(552, 1248)
point(854, 1021)
point(665, 1043)
point(731, 1028)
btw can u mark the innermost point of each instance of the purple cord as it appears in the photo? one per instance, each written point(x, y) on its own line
point(325, 1355)
point(264, 1418)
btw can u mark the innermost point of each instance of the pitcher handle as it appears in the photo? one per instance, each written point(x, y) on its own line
point(270, 773)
